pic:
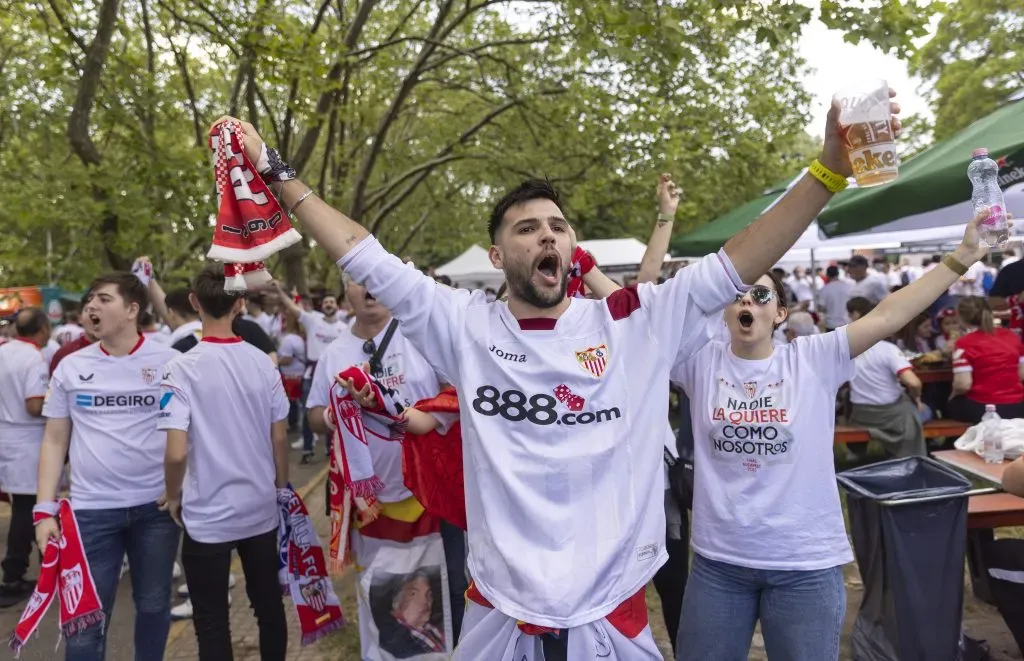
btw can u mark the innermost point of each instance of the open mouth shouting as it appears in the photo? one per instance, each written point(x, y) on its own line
point(94, 319)
point(746, 319)
point(548, 268)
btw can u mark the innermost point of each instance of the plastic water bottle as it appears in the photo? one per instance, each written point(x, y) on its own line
point(992, 436)
point(984, 175)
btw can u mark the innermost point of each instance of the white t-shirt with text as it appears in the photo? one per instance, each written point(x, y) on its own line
point(320, 332)
point(23, 376)
point(404, 370)
point(116, 450)
point(563, 427)
point(226, 394)
point(876, 381)
point(765, 493)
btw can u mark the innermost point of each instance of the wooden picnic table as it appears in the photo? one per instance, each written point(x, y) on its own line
point(970, 462)
point(985, 513)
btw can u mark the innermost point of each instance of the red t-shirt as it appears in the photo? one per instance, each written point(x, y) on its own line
point(992, 359)
point(68, 349)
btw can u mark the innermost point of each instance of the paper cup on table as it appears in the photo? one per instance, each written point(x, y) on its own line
point(864, 115)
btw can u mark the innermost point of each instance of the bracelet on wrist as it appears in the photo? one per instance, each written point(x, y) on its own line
point(830, 180)
point(954, 264)
point(302, 198)
point(666, 218)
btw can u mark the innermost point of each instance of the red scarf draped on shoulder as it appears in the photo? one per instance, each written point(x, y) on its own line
point(432, 463)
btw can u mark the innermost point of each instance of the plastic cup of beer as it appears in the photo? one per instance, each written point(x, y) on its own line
point(864, 114)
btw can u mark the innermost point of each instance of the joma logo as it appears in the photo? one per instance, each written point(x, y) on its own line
point(513, 357)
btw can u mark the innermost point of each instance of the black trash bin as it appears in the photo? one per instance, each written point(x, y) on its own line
point(908, 519)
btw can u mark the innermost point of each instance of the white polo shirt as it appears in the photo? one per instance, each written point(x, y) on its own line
point(226, 394)
point(117, 452)
point(23, 376)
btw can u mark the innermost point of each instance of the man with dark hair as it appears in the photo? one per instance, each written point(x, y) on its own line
point(254, 312)
point(103, 405)
point(233, 442)
point(563, 404)
point(23, 381)
point(180, 315)
point(832, 300)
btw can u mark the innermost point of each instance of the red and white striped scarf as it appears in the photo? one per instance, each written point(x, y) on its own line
point(353, 481)
point(303, 573)
point(65, 573)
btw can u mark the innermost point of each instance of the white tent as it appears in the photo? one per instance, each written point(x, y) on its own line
point(472, 269)
point(617, 254)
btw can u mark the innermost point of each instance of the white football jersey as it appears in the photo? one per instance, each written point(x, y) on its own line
point(563, 424)
point(226, 394)
point(23, 376)
point(117, 453)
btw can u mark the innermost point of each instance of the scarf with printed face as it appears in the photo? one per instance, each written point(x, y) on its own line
point(142, 270)
point(432, 463)
point(303, 570)
point(65, 573)
point(580, 265)
point(353, 481)
point(251, 225)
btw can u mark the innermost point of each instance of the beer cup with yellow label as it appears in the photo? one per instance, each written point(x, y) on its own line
point(865, 117)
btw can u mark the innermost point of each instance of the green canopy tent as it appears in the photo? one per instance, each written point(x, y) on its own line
point(933, 189)
point(711, 236)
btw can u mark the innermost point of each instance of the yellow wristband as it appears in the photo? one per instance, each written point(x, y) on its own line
point(832, 181)
point(954, 265)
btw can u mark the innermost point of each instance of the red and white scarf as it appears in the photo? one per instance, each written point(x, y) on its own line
point(580, 265)
point(64, 572)
point(303, 572)
point(353, 481)
point(251, 225)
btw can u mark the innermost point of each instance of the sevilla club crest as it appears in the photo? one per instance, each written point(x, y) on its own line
point(314, 595)
point(593, 359)
point(71, 587)
point(149, 375)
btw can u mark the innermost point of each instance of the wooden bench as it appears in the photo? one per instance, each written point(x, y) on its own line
point(995, 510)
point(932, 429)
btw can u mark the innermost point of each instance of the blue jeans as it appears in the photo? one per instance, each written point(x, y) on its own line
point(801, 613)
point(307, 433)
point(150, 538)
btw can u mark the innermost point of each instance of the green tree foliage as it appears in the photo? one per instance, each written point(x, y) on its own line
point(975, 61)
point(410, 115)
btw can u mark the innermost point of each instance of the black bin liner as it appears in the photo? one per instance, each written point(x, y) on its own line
point(911, 559)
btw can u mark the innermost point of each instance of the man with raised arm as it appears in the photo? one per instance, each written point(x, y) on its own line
point(563, 405)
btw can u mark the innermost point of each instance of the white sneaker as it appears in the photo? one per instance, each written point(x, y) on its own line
point(297, 445)
point(177, 572)
point(183, 588)
point(183, 611)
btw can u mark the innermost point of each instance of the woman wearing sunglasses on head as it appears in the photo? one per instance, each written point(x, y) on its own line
point(768, 531)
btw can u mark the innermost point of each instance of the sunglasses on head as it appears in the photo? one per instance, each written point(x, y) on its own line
point(759, 294)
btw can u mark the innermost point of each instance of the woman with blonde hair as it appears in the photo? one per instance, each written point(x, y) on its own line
point(988, 366)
